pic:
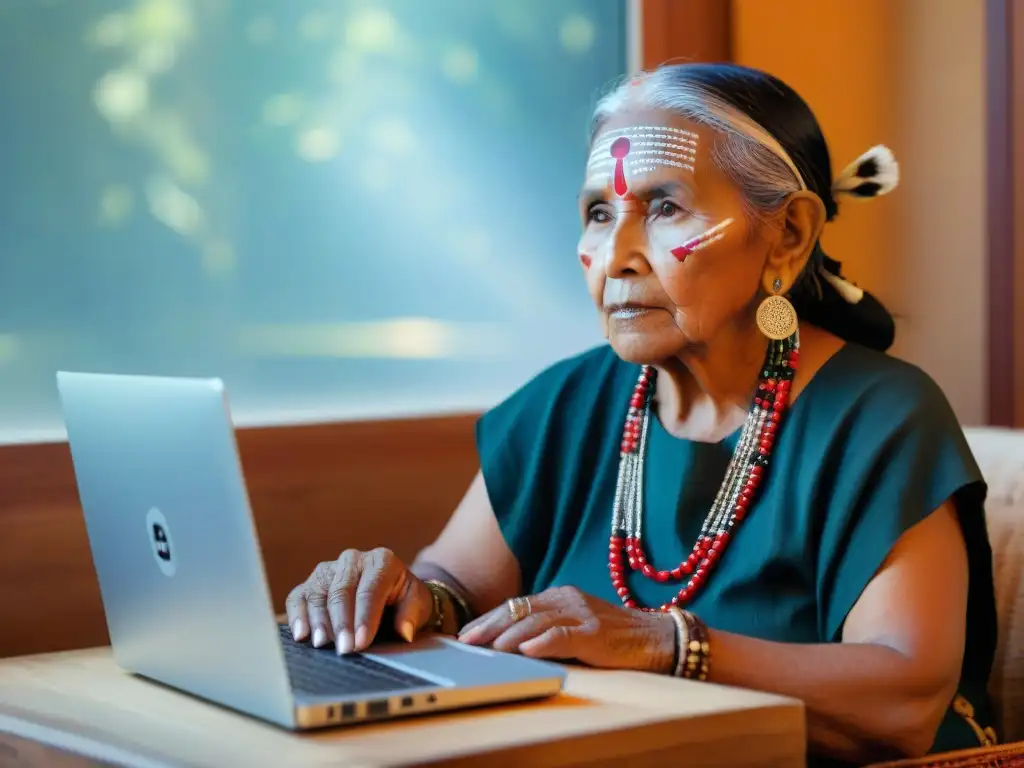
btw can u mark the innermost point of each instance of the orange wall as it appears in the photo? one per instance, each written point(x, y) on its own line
point(909, 74)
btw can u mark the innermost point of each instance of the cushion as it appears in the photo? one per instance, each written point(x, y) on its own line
point(1000, 454)
point(1002, 756)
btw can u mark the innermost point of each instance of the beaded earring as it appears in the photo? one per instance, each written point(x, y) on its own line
point(776, 317)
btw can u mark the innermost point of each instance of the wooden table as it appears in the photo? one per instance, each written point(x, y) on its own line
point(81, 703)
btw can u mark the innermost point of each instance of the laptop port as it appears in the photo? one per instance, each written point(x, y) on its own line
point(348, 711)
point(407, 701)
point(377, 708)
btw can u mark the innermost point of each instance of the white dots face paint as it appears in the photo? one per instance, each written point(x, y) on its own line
point(649, 147)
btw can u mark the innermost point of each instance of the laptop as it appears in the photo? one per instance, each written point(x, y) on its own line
point(183, 582)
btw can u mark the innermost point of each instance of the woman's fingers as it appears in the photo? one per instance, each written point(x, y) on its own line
point(532, 626)
point(315, 597)
point(344, 600)
point(298, 618)
point(341, 599)
point(380, 582)
point(483, 629)
point(489, 627)
point(554, 643)
point(413, 608)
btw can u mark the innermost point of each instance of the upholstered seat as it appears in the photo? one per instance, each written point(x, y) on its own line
point(1001, 456)
point(1000, 453)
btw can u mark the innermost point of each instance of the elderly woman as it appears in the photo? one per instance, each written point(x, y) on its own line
point(742, 486)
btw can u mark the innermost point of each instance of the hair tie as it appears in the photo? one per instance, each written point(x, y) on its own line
point(844, 309)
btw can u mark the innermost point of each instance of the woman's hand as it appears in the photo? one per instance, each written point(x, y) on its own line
point(345, 599)
point(564, 623)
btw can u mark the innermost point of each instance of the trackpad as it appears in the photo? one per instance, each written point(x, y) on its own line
point(449, 662)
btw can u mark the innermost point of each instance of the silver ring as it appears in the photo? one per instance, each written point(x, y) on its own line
point(519, 608)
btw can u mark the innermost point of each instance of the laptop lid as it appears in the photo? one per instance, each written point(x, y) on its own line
point(172, 538)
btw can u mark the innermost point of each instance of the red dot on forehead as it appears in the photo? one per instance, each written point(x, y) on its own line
point(620, 147)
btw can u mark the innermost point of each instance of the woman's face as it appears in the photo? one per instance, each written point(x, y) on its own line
point(668, 252)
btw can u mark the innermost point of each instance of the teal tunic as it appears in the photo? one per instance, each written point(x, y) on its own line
point(869, 448)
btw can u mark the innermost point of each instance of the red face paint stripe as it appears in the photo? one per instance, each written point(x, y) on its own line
point(619, 150)
point(682, 251)
point(705, 238)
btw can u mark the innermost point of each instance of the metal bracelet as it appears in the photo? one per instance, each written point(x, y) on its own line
point(436, 621)
point(463, 613)
point(682, 641)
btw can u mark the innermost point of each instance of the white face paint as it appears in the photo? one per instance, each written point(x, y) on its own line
point(649, 147)
point(701, 241)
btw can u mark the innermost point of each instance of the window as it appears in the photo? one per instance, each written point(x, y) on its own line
point(344, 209)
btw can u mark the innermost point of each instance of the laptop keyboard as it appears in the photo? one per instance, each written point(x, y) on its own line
point(321, 672)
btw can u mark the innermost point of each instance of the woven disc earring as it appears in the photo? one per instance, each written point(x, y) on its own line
point(776, 317)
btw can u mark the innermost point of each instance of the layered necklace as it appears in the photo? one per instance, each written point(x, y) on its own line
point(736, 496)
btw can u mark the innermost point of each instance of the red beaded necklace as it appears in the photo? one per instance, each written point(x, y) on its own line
point(746, 470)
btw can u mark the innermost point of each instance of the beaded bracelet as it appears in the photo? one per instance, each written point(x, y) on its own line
point(697, 655)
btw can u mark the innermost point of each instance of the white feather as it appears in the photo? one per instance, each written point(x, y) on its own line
point(886, 176)
point(849, 292)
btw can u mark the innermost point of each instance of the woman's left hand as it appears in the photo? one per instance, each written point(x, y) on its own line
point(564, 623)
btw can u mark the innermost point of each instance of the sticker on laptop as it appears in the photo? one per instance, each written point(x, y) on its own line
point(160, 542)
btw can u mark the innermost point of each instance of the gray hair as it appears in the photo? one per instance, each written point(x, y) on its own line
point(745, 152)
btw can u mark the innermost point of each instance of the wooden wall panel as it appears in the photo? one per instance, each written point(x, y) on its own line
point(685, 30)
point(1001, 118)
point(1005, 193)
point(922, 249)
point(315, 490)
point(1016, 370)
